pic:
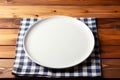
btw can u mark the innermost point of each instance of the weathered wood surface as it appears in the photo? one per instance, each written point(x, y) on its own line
point(107, 13)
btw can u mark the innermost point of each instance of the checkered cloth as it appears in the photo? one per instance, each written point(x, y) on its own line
point(23, 66)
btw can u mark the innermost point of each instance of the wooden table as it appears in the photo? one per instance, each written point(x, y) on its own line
point(107, 13)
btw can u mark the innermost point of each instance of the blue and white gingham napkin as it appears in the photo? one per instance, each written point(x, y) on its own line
point(23, 66)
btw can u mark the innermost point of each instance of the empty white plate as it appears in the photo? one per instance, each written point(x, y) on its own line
point(58, 42)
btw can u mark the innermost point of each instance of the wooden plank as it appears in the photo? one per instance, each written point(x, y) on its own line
point(110, 63)
point(12, 23)
point(77, 11)
point(109, 36)
point(9, 23)
point(8, 36)
point(6, 68)
point(110, 68)
point(113, 23)
point(60, 2)
point(105, 51)
point(111, 73)
point(110, 51)
point(7, 51)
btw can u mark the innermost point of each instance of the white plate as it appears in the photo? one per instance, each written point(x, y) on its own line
point(58, 42)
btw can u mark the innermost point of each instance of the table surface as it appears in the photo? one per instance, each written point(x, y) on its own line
point(107, 13)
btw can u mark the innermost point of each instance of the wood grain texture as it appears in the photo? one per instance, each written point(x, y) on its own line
point(8, 36)
point(76, 11)
point(107, 52)
point(10, 23)
point(110, 52)
point(107, 13)
point(7, 51)
point(6, 68)
point(109, 36)
point(109, 23)
point(60, 2)
point(109, 68)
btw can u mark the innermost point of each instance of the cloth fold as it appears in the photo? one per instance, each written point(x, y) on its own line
point(23, 66)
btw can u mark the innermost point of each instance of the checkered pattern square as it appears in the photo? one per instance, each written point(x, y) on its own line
point(23, 66)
